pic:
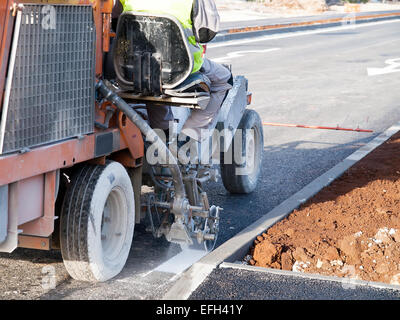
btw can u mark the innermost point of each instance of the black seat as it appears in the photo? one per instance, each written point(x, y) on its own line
point(152, 56)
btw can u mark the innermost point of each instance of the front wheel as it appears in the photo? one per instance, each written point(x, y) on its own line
point(97, 222)
point(241, 173)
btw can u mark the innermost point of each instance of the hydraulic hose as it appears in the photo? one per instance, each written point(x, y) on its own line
point(149, 133)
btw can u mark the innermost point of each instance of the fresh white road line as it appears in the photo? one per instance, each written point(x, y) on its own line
point(189, 281)
point(178, 263)
point(238, 54)
point(296, 34)
point(393, 66)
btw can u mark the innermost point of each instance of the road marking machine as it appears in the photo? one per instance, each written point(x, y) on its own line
point(74, 134)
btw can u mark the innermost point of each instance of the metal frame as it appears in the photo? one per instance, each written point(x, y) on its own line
point(52, 106)
point(232, 110)
point(9, 80)
point(192, 103)
point(6, 21)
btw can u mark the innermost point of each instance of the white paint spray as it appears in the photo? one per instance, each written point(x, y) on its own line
point(180, 262)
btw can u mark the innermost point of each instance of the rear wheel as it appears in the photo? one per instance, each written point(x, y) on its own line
point(242, 173)
point(97, 222)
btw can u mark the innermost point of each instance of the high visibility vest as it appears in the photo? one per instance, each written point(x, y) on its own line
point(180, 9)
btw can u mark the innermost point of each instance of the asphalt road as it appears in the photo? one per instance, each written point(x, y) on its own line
point(314, 79)
point(319, 79)
point(229, 284)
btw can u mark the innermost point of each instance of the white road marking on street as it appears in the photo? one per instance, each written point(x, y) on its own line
point(393, 66)
point(238, 54)
point(180, 262)
point(296, 34)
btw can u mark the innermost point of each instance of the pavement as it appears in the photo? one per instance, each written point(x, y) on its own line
point(239, 24)
point(251, 21)
point(314, 77)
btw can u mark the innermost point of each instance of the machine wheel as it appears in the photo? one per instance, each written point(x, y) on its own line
point(242, 178)
point(97, 222)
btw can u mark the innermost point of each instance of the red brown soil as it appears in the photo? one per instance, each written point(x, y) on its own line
point(349, 229)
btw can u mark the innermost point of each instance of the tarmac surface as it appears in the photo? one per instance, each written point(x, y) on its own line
point(318, 79)
point(228, 284)
point(325, 82)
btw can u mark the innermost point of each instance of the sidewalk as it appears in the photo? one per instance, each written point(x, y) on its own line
point(233, 10)
point(238, 16)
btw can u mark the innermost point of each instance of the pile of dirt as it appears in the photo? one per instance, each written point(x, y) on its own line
point(349, 229)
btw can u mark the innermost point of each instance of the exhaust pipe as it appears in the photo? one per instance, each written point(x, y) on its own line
point(180, 202)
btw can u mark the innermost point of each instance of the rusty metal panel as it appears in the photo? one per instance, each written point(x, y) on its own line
point(52, 91)
point(132, 136)
point(15, 167)
point(26, 199)
point(30, 242)
point(3, 12)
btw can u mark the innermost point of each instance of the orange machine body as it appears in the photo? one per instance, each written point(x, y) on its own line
point(32, 177)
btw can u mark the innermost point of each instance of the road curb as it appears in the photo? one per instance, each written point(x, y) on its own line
point(257, 31)
point(236, 248)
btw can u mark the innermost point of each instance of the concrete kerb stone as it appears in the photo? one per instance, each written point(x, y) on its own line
point(236, 248)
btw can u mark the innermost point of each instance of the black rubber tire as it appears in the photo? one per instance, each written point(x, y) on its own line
point(244, 183)
point(81, 222)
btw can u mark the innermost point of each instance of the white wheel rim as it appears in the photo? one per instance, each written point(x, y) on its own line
point(251, 153)
point(114, 225)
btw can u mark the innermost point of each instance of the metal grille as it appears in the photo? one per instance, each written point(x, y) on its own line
point(52, 92)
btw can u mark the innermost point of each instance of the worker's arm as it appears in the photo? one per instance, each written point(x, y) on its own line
point(205, 20)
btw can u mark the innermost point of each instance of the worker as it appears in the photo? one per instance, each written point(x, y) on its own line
point(200, 20)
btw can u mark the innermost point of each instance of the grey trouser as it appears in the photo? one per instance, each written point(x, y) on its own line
point(199, 119)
